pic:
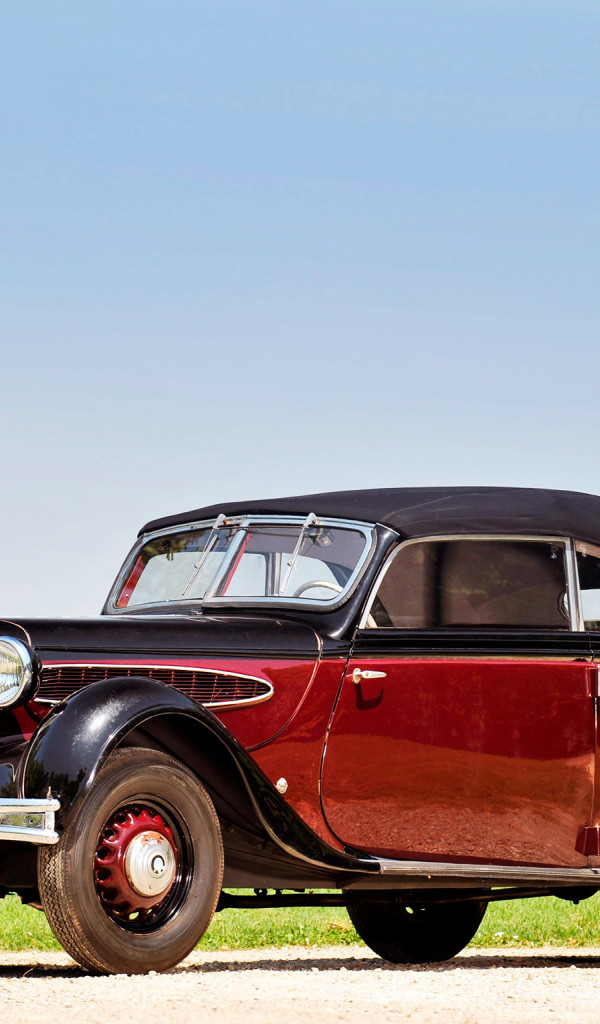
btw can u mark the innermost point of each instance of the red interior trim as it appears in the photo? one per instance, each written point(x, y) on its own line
point(132, 583)
point(234, 566)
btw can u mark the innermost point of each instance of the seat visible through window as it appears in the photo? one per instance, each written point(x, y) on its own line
point(453, 583)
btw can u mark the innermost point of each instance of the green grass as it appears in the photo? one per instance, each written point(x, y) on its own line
point(541, 922)
point(23, 928)
point(538, 922)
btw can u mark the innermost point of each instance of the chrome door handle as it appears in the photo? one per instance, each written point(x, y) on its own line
point(359, 674)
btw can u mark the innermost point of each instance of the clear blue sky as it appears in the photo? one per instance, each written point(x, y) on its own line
point(258, 249)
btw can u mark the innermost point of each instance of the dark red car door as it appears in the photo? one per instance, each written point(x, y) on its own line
point(462, 743)
point(453, 757)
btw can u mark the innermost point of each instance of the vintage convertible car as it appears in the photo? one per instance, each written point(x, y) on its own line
point(385, 700)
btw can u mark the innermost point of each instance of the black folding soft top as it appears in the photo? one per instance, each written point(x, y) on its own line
point(430, 511)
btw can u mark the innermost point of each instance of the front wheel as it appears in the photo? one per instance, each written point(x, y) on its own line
point(416, 933)
point(133, 882)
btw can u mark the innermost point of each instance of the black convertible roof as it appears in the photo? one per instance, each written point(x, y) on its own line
point(427, 511)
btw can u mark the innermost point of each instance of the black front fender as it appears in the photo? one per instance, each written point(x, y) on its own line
point(75, 739)
point(72, 743)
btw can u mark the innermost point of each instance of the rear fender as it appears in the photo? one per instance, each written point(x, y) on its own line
point(74, 740)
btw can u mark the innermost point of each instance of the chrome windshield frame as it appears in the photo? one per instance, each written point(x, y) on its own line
point(241, 525)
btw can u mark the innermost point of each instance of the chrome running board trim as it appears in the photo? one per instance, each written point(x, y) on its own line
point(420, 874)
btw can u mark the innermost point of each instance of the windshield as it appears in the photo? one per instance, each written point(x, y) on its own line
point(312, 561)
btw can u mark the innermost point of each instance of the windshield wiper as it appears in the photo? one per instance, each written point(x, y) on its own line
point(310, 520)
point(212, 540)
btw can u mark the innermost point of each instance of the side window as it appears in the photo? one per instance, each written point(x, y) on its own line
point(588, 570)
point(470, 583)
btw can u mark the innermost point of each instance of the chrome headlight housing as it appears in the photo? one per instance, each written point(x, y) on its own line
point(18, 672)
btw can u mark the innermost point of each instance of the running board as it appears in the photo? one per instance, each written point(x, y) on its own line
point(420, 874)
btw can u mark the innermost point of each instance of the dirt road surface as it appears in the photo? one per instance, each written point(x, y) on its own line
point(298, 986)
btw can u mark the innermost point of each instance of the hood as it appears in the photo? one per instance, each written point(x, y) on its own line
point(235, 636)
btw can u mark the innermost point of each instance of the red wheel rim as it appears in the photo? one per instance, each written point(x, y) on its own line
point(139, 831)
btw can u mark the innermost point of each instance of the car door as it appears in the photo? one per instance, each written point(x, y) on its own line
point(465, 725)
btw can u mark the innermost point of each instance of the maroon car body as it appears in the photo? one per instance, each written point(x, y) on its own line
point(390, 695)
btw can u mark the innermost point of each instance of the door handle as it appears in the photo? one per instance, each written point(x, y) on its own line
point(359, 674)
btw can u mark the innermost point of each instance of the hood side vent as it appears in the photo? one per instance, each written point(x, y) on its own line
point(213, 689)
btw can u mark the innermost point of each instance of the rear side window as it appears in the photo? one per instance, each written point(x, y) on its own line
point(470, 583)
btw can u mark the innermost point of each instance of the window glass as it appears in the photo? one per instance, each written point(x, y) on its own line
point(169, 567)
point(472, 583)
point(313, 577)
point(249, 578)
point(291, 561)
point(272, 565)
point(588, 570)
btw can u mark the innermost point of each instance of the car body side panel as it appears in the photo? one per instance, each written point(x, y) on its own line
point(284, 654)
point(460, 758)
point(251, 724)
point(296, 754)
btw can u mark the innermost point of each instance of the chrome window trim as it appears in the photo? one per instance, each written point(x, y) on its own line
point(230, 557)
point(368, 531)
point(245, 702)
point(575, 602)
point(593, 549)
point(565, 542)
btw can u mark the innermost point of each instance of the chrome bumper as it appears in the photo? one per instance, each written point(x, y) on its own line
point(28, 821)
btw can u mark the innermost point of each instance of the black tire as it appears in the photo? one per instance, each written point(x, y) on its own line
point(416, 933)
point(103, 928)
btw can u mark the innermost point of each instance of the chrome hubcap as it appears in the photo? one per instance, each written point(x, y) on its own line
point(150, 864)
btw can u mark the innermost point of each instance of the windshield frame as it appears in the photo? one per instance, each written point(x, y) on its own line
point(241, 524)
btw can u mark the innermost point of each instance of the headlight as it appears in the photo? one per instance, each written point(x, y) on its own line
point(16, 671)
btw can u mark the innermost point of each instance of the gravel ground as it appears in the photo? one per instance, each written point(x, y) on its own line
point(293, 985)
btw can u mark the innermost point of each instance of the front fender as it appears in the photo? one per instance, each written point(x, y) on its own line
point(74, 740)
